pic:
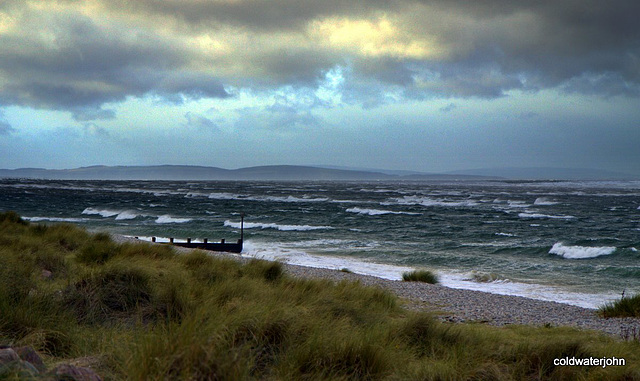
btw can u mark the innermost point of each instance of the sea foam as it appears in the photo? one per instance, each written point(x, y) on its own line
point(540, 215)
point(167, 219)
point(53, 219)
point(544, 201)
point(580, 252)
point(271, 225)
point(428, 201)
point(377, 212)
point(119, 214)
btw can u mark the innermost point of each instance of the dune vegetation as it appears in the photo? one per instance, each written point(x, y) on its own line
point(144, 312)
point(425, 276)
point(626, 306)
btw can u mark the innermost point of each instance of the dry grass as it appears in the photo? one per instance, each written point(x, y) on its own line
point(143, 312)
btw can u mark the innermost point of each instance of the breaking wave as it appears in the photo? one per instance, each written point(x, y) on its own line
point(377, 212)
point(167, 219)
point(539, 215)
point(580, 252)
point(119, 214)
point(52, 219)
point(428, 201)
point(544, 201)
point(261, 225)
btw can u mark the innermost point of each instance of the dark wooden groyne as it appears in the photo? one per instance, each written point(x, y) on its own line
point(223, 246)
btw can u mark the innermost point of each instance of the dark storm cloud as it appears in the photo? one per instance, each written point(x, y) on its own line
point(72, 63)
point(82, 55)
point(261, 15)
point(543, 43)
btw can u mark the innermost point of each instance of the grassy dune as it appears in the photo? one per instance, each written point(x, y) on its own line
point(141, 312)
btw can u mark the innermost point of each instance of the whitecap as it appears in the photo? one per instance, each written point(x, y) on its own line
point(580, 252)
point(102, 212)
point(271, 225)
point(106, 213)
point(518, 204)
point(428, 201)
point(539, 215)
point(224, 196)
point(377, 212)
point(544, 201)
point(53, 219)
point(167, 219)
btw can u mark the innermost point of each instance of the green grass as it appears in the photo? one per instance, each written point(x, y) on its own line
point(144, 312)
point(425, 276)
point(624, 307)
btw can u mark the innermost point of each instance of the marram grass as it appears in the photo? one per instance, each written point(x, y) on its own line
point(424, 276)
point(143, 312)
point(624, 307)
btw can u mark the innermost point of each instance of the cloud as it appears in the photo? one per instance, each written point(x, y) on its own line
point(5, 127)
point(84, 56)
point(200, 121)
point(448, 108)
point(65, 60)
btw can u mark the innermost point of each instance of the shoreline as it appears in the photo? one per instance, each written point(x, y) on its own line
point(466, 306)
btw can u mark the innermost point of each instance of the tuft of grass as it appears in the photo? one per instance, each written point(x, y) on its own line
point(269, 271)
point(12, 217)
point(108, 293)
point(624, 307)
point(425, 276)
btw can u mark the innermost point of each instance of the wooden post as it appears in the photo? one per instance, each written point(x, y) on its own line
point(205, 240)
point(222, 240)
point(153, 239)
point(188, 240)
point(171, 240)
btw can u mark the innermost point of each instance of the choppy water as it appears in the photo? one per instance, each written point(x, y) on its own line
point(574, 242)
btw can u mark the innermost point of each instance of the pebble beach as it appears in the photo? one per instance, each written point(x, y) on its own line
point(458, 305)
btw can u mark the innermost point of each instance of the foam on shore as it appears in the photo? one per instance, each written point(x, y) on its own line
point(455, 280)
point(458, 280)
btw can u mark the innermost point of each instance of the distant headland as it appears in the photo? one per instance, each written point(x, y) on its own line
point(300, 173)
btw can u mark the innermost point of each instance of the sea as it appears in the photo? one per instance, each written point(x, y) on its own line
point(573, 242)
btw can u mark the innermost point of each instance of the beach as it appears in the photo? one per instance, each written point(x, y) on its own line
point(468, 306)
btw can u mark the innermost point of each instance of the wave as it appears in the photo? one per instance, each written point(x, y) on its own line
point(261, 225)
point(223, 196)
point(53, 219)
point(518, 204)
point(167, 219)
point(377, 212)
point(539, 215)
point(282, 252)
point(580, 252)
point(460, 280)
point(120, 214)
point(235, 196)
point(544, 201)
point(428, 201)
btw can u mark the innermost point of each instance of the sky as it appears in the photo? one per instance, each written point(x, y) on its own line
point(431, 86)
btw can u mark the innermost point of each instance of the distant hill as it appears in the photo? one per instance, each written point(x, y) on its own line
point(295, 173)
point(187, 172)
point(548, 173)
